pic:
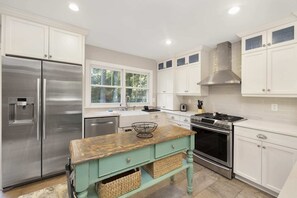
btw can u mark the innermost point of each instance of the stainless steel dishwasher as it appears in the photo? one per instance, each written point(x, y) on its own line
point(101, 126)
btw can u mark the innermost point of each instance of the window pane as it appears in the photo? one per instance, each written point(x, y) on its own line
point(137, 95)
point(253, 43)
point(181, 61)
point(105, 95)
point(136, 80)
point(105, 77)
point(283, 35)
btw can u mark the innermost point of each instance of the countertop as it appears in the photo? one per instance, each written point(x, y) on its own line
point(187, 113)
point(101, 114)
point(289, 189)
point(273, 127)
point(102, 146)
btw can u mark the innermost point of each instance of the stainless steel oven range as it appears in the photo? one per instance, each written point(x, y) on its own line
point(214, 141)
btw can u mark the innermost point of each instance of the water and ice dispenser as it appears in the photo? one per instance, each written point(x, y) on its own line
point(21, 110)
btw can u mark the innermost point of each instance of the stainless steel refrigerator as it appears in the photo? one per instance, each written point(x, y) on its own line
point(41, 113)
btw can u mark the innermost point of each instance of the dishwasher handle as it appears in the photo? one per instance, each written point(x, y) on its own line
point(101, 123)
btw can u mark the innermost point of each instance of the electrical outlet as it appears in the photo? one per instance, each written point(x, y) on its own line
point(274, 107)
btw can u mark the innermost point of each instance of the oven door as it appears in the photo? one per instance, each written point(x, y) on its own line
point(214, 144)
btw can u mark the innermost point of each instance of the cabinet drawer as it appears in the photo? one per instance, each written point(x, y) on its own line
point(184, 119)
point(266, 136)
point(123, 160)
point(166, 148)
point(173, 117)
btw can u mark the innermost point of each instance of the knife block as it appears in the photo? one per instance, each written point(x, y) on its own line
point(200, 111)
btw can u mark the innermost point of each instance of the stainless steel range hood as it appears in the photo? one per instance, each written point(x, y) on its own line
point(222, 66)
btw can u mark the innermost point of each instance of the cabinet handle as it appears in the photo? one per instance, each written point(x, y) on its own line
point(50, 56)
point(264, 147)
point(172, 146)
point(128, 160)
point(45, 55)
point(268, 44)
point(172, 117)
point(164, 91)
point(263, 90)
point(264, 45)
point(258, 146)
point(156, 116)
point(260, 136)
point(185, 120)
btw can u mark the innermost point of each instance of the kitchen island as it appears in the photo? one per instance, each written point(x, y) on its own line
point(98, 158)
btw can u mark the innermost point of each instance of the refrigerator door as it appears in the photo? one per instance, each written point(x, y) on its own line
point(21, 142)
point(62, 113)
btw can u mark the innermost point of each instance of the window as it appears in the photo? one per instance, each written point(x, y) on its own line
point(137, 87)
point(105, 85)
point(110, 85)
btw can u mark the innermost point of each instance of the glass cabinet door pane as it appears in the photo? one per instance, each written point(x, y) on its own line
point(253, 43)
point(181, 61)
point(194, 58)
point(169, 64)
point(283, 35)
point(161, 66)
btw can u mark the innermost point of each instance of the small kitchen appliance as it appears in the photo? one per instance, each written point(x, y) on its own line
point(214, 141)
point(183, 107)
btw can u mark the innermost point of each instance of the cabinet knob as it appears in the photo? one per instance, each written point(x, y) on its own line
point(268, 89)
point(185, 120)
point(164, 91)
point(264, 45)
point(263, 90)
point(264, 147)
point(50, 56)
point(45, 55)
point(258, 146)
point(128, 160)
point(268, 44)
point(172, 117)
point(156, 116)
point(172, 146)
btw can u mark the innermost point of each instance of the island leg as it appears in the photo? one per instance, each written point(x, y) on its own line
point(82, 180)
point(172, 179)
point(190, 171)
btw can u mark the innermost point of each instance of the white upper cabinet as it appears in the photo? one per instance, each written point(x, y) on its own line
point(165, 81)
point(65, 46)
point(30, 39)
point(25, 38)
point(269, 62)
point(275, 37)
point(188, 59)
point(165, 65)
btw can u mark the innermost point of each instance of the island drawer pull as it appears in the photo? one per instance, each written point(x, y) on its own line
point(172, 146)
point(128, 160)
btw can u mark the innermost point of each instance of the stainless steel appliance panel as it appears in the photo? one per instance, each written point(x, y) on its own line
point(100, 126)
point(21, 143)
point(62, 113)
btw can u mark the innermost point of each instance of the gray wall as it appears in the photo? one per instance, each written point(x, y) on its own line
point(228, 99)
point(110, 56)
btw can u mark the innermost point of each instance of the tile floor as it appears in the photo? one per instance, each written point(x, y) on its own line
point(206, 184)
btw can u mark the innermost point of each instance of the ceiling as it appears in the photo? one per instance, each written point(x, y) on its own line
point(141, 27)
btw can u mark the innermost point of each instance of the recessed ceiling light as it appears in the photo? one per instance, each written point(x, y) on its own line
point(74, 7)
point(168, 42)
point(234, 10)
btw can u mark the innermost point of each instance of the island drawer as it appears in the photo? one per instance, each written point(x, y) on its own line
point(122, 161)
point(172, 146)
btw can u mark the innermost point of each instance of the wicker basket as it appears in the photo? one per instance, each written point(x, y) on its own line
point(120, 184)
point(163, 166)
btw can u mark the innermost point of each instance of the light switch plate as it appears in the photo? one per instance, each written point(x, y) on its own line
point(274, 107)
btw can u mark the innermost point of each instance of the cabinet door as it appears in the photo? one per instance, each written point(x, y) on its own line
point(254, 71)
point(169, 64)
point(181, 81)
point(161, 101)
point(65, 46)
point(282, 35)
point(277, 162)
point(282, 70)
point(194, 58)
point(165, 81)
point(247, 158)
point(254, 42)
point(25, 38)
point(194, 77)
point(181, 61)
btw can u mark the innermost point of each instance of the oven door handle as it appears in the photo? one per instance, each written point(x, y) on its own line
point(211, 129)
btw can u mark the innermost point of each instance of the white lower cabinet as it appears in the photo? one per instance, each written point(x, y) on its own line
point(247, 155)
point(277, 162)
point(179, 120)
point(264, 158)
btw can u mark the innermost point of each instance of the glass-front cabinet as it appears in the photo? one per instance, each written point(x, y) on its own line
point(274, 37)
point(165, 64)
point(188, 59)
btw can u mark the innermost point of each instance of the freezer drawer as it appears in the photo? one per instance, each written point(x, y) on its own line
point(101, 126)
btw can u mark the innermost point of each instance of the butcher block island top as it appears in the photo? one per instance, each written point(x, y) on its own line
point(102, 146)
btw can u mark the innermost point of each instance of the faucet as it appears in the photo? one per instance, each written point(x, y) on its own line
point(127, 107)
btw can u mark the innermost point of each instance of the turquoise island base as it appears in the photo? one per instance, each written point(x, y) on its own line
point(98, 158)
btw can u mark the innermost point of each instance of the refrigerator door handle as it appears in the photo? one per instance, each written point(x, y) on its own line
point(44, 108)
point(38, 109)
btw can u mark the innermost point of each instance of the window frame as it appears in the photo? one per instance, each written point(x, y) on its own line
point(90, 64)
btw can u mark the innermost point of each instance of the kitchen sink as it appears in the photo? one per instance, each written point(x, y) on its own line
point(129, 117)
